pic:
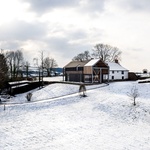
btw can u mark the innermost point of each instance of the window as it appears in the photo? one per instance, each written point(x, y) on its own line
point(87, 78)
point(77, 67)
point(112, 77)
point(112, 72)
point(122, 77)
point(122, 72)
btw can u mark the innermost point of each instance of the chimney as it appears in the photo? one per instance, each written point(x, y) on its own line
point(116, 61)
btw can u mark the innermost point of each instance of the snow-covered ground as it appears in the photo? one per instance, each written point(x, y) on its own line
point(104, 120)
point(55, 78)
point(49, 92)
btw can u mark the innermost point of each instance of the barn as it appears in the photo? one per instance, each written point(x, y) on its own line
point(91, 71)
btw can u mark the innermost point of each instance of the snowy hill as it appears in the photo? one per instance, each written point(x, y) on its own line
point(104, 120)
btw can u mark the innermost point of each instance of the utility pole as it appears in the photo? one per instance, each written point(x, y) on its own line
point(36, 64)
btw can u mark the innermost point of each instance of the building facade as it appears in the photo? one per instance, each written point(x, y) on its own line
point(117, 72)
point(91, 71)
point(94, 71)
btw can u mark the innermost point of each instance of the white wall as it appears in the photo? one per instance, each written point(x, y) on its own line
point(117, 75)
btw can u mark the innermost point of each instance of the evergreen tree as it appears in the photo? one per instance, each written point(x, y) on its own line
point(3, 71)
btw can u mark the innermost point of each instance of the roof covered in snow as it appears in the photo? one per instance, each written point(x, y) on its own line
point(112, 65)
point(76, 64)
point(92, 62)
point(116, 66)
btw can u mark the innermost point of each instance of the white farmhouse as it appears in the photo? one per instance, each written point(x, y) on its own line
point(117, 72)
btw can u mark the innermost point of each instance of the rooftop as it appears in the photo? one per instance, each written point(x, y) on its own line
point(115, 66)
point(92, 62)
point(76, 63)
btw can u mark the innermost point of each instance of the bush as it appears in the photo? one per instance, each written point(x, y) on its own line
point(82, 90)
point(28, 96)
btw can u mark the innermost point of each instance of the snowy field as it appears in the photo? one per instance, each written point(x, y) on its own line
point(104, 120)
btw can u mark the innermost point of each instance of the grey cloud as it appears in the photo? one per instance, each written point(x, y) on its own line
point(40, 6)
point(74, 42)
point(96, 5)
point(141, 4)
point(135, 5)
point(62, 46)
point(78, 34)
point(22, 31)
point(89, 6)
point(12, 45)
point(66, 49)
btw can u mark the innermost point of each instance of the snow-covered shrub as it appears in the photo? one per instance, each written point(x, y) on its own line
point(28, 96)
point(82, 90)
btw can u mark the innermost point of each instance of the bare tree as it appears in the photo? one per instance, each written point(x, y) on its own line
point(106, 52)
point(10, 56)
point(14, 60)
point(26, 66)
point(19, 61)
point(87, 55)
point(49, 64)
point(83, 56)
point(133, 94)
point(42, 63)
point(38, 66)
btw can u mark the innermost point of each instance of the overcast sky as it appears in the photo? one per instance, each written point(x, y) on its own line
point(65, 28)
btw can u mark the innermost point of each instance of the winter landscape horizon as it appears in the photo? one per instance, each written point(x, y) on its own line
point(83, 44)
